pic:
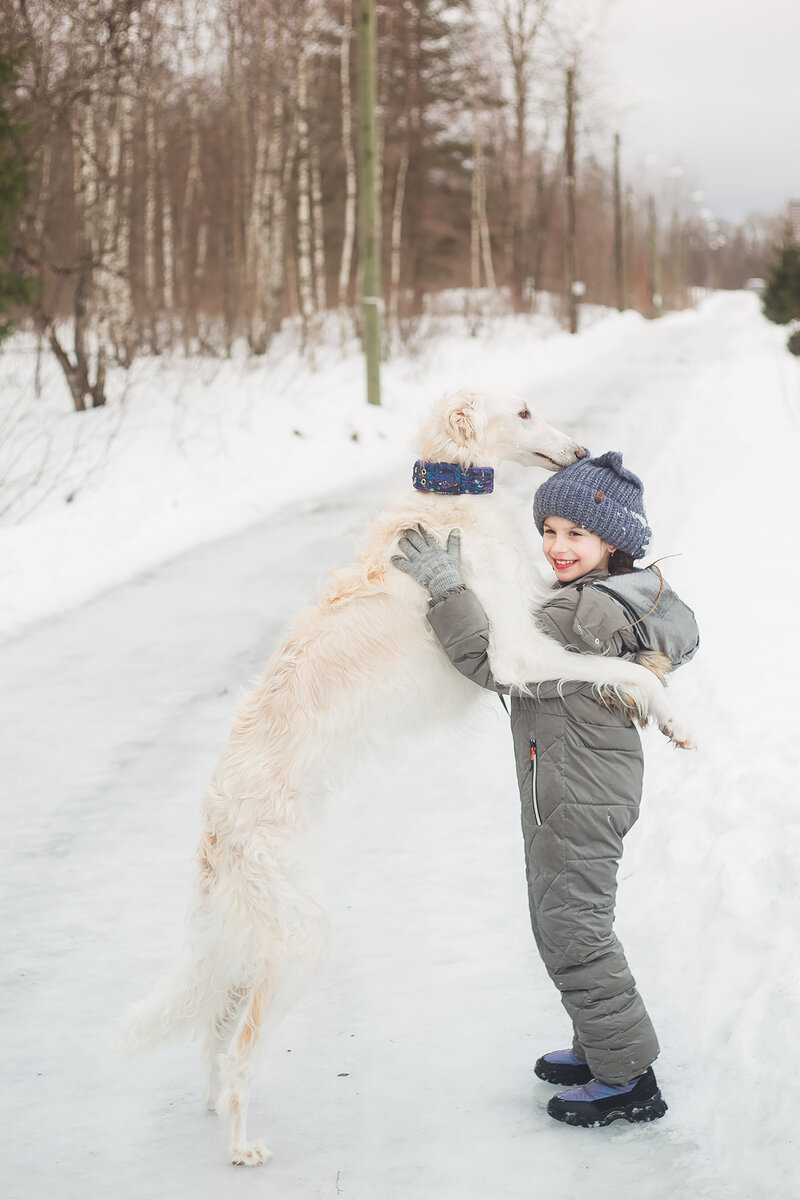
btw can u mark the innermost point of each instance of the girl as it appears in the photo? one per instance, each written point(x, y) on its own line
point(579, 766)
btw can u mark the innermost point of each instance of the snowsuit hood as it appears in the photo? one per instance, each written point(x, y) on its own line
point(659, 619)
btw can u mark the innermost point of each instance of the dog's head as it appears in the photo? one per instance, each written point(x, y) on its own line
point(487, 428)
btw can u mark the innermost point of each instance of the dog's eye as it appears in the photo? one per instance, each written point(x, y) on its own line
point(524, 415)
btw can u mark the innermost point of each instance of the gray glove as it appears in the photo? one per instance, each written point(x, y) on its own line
point(437, 568)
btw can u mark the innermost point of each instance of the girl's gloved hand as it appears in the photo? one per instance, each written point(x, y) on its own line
point(437, 568)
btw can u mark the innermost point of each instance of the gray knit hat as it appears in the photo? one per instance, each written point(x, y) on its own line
point(602, 496)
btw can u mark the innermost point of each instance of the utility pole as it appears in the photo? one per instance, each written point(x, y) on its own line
point(619, 274)
point(370, 251)
point(569, 154)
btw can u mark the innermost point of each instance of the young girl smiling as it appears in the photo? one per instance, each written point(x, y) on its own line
point(579, 766)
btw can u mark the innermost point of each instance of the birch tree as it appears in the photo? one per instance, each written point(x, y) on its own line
point(100, 129)
point(193, 176)
point(80, 84)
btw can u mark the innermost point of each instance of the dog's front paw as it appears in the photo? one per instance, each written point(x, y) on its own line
point(678, 735)
point(250, 1154)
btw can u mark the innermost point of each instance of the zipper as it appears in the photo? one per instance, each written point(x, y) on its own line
point(537, 816)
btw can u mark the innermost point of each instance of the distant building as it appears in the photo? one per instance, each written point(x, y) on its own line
point(794, 219)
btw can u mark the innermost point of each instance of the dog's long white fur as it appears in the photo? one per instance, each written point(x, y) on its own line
point(361, 660)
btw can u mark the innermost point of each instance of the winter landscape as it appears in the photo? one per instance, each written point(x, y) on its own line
point(222, 222)
point(407, 1072)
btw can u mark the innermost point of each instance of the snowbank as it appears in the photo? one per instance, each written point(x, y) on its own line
point(187, 451)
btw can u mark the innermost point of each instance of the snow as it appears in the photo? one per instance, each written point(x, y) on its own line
point(133, 613)
point(188, 451)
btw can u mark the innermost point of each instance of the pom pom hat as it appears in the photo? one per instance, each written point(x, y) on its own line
point(601, 495)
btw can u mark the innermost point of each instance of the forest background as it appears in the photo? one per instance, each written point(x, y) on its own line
point(191, 175)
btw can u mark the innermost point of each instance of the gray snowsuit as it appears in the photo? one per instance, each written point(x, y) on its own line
point(579, 769)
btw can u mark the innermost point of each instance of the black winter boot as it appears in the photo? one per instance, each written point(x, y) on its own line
point(598, 1103)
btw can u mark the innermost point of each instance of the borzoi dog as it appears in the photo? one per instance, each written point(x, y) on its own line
point(361, 660)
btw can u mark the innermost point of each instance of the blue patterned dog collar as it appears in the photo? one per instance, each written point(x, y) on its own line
point(449, 479)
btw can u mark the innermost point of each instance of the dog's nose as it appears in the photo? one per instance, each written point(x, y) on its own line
point(580, 452)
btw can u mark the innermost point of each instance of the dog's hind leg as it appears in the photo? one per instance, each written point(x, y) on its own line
point(236, 1069)
point(216, 1038)
point(267, 1004)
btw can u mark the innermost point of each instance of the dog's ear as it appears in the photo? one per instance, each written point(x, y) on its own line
point(464, 422)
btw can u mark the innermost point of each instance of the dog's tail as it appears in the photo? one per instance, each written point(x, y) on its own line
point(233, 946)
point(173, 1012)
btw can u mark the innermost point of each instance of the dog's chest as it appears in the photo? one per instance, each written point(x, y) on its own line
point(502, 575)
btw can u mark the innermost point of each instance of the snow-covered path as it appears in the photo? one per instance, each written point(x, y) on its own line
point(406, 1073)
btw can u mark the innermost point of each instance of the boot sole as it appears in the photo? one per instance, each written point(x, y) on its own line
point(645, 1110)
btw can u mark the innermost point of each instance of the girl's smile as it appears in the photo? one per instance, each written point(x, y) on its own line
point(572, 551)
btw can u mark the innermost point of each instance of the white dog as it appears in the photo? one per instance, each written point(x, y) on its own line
point(361, 660)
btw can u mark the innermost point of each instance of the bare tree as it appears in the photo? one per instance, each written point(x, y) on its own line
point(100, 123)
point(193, 175)
point(305, 274)
point(409, 125)
point(81, 80)
point(569, 187)
point(480, 239)
point(522, 23)
point(351, 177)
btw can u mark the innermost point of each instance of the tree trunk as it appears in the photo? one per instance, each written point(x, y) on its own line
point(318, 228)
point(383, 68)
point(483, 222)
point(234, 281)
point(396, 243)
point(189, 274)
point(280, 259)
point(351, 183)
point(87, 248)
point(370, 243)
point(629, 259)
point(544, 203)
point(114, 295)
point(656, 299)
point(522, 22)
point(168, 248)
point(150, 208)
point(480, 243)
point(474, 213)
point(675, 262)
point(281, 174)
point(619, 272)
point(304, 235)
point(569, 155)
point(256, 245)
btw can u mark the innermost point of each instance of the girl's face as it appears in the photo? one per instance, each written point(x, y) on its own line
point(572, 551)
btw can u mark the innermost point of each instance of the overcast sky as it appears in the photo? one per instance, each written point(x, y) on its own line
point(713, 85)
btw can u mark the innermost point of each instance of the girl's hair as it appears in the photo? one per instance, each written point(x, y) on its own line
point(620, 563)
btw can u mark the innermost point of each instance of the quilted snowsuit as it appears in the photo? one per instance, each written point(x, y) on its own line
point(579, 769)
